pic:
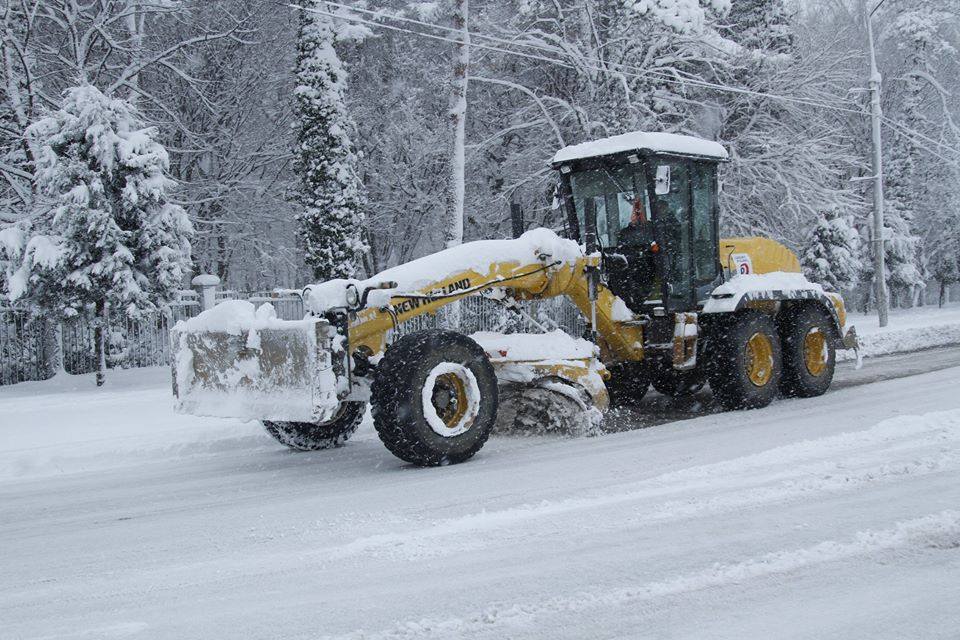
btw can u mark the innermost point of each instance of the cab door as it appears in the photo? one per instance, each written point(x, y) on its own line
point(669, 184)
point(684, 197)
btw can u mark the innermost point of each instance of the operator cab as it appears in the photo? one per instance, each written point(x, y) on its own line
point(648, 202)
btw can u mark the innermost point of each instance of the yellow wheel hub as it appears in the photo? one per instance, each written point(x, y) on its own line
point(759, 360)
point(815, 352)
point(450, 399)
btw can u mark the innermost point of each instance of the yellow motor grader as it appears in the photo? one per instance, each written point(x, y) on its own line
point(667, 303)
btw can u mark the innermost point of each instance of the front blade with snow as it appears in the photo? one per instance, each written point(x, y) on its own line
point(283, 372)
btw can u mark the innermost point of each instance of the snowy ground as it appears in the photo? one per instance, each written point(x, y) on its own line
point(837, 517)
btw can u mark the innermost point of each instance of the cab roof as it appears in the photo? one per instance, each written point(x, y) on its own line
point(643, 141)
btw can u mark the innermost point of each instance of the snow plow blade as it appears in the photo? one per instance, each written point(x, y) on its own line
point(284, 371)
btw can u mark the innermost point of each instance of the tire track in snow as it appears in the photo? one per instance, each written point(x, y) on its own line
point(939, 531)
point(893, 450)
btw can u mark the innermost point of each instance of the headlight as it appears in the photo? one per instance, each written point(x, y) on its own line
point(352, 296)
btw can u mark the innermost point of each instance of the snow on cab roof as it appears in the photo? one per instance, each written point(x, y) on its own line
point(643, 141)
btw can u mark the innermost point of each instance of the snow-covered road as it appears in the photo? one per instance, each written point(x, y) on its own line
point(837, 517)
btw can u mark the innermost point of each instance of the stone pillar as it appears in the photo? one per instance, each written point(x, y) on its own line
point(206, 285)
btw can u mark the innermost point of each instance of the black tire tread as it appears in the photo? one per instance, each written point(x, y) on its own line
point(793, 325)
point(725, 373)
point(306, 436)
point(389, 393)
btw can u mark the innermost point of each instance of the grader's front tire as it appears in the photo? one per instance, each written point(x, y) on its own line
point(434, 398)
point(745, 361)
point(628, 383)
point(309, 436)
point(809, 357)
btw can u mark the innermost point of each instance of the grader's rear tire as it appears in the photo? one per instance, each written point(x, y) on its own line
point(434, 398)
point(308, 436)
point(744, 361)
point(809, 357)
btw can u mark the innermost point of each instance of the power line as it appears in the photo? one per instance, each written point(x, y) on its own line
point(905, 129)
point(567, 65)
point(910, 132)
point(555, 61)
point(637, 72)
point(879, 4)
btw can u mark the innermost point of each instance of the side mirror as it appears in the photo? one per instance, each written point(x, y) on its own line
point(662, 186)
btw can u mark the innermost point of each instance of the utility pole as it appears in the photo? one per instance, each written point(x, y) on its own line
point(879, 257)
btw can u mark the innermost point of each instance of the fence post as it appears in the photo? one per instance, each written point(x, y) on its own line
point(206, 285)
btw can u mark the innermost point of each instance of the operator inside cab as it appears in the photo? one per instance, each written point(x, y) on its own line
point(633, 277)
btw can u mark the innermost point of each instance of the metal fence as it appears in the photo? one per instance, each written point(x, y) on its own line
point(28, 343)
point(23, 347)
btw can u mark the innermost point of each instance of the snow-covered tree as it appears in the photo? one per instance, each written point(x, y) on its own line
point(832, 253)
point(790, 160)
point(761, 25)
point(901, 250)
point(104, 237)
point(946, 271)
point(916, 36)
point(331, 222)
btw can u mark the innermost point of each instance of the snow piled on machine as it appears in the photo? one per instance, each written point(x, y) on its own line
point(535, 399)
point(642, 141)
point(727, 296)
point(533, 247)
point(554, 345)
point(235, 317)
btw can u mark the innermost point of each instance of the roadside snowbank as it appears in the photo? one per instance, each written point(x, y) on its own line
point(908, 330)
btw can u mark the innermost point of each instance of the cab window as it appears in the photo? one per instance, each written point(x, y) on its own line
point(705, 242)
point(613, 191)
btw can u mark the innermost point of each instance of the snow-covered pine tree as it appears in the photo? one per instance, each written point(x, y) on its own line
point(105, 238)
point(331, 221)
point(832, 255)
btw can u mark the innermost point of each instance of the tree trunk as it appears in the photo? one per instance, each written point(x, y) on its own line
point(943, 293)
point(53, 348)
point(456, 187)
point(456, 179)
point(100, 340)
point(135, 29)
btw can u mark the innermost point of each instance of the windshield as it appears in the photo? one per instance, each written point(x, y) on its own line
point(619, 195)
